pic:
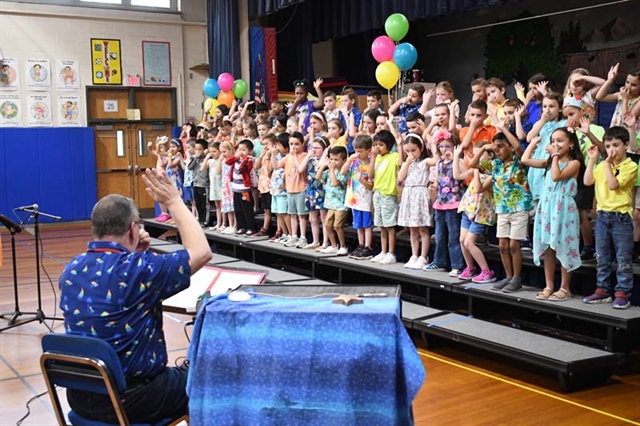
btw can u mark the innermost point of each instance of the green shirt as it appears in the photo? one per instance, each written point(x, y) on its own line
point(385, 179)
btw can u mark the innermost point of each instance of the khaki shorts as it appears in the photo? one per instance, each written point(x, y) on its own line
point(637, 203)
point(385, 210)
point(513, 225)
point(336, 218)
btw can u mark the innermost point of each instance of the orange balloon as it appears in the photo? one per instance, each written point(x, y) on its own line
point(226, 98)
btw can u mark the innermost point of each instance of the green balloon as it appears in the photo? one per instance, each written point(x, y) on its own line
point(240, 88)
point(397, 26)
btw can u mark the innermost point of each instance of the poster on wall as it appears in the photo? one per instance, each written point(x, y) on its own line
point(69, 111)
point(10, 110)
point(156, 63)
point(68, 74)
point(9, 78)
point(39, 110)
point(38, 75)
point(106, 64)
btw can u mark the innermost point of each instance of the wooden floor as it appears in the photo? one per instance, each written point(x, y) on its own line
point(462, 388)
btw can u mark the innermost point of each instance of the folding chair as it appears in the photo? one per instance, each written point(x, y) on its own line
point(87, 364)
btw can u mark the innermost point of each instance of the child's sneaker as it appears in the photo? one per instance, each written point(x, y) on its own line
point(302, 241)
point(600, 296)
point(283, 239)
point(311, 246)
point(486, 276)
point(433, 267)
point(365, 254)
point(379, 257)
point(329, 250)
point(411, 261)
point(388, 259)
point(501, 284)
point(343, 251)
point(468, 273)
point(356, 251)
point(587, 254)
point(514, 285)
point(241, 231)
point(455, 272)
point(319, 249)
point(420, 263)
point(249, 233)
point(525, 245)
point(262, 233)
point(292, 241)
point(163, 218)
point(621, 301)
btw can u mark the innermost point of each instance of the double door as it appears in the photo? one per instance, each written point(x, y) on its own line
point(122, 156)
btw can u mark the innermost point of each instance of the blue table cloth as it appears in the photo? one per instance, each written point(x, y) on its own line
point(277, 361)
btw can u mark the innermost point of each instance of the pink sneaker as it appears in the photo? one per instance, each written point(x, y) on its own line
point(467, 273)
point(486, 276)
point(163, 217)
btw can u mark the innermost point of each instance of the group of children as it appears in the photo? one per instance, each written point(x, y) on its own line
point(530, 165)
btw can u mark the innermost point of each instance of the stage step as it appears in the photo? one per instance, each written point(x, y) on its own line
point(577, 366)
point(412, 312)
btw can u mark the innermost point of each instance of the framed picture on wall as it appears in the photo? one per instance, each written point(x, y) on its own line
point(156, 63)
point(106, 61)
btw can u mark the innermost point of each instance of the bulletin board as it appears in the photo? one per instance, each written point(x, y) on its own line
point(156, 63)
point(106, 61)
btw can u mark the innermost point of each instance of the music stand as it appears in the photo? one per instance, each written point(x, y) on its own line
point(39, 313)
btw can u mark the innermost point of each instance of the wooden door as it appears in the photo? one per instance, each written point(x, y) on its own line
point(114, 168)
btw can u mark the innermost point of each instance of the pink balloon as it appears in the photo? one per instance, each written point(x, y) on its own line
point(382, 49)
point(226, 80)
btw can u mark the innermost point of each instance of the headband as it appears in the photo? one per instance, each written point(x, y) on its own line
point(316, 114)
point(441, 135)
point(413, 135)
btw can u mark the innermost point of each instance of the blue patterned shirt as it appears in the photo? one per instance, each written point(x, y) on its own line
point(116, 295)
point(334, 195)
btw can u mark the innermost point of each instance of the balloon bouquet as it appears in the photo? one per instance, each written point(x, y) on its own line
point(394, 58)
point(223, 91)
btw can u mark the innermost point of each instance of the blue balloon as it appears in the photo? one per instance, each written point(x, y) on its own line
point(405, 56)
point(211, 88)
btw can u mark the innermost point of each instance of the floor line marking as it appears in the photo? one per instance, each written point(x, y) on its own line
point(47, 406)
point(491, 376)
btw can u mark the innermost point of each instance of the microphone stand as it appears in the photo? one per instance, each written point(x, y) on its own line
point(39, 314)
point(14, 229)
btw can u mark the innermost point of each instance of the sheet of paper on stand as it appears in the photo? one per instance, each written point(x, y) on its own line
point(213, 280)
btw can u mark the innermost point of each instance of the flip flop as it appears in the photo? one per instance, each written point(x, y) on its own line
point(560, 296)
point(544, 294)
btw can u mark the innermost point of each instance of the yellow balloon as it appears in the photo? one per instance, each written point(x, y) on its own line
point(387, 74)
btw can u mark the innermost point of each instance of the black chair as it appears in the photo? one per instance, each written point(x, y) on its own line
point(87, 364)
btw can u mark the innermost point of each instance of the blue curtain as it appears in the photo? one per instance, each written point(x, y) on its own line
point(223, 31)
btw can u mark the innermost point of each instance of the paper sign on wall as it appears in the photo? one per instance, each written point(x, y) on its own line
point(69, 111)
point(9, 77)
point(67, 74)
point(10, 110)
point(38, 74)
point(106, 65)
point(110, 105)
point(39, 110)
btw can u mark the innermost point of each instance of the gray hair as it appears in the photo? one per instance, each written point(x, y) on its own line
point(113, 215)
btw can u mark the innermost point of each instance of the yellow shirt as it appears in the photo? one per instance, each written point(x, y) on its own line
point(386, 174)
point(620, 200)
point(341, 141)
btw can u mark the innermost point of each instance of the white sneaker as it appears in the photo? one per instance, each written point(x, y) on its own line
point(292, 241)
point(343, 251)
point(283, 239)
point(221, 228)
point(379, 257)
point(411, 261)
point(420, 263)
point(389, 259)
point(319, 249)
point(329, 250)
point(229, 231)
point(454, 272)
point(302, 242)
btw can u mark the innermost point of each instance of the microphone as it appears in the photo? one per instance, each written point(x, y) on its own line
point(26, 208)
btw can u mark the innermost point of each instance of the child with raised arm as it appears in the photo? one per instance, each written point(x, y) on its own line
point(496, 90)
point(477, 130)
point(628, 98)
point(448, 195)
point(478, 213)
point(302, 106)
point(278, 189)
point(583, 86)
point(415, 207)
point(614, 179)
point(537, 86)
point(315, 192)
point(350, 115)
point(201, 182)
point(359, 195)
point(512, 202)
point(211, 163)
point(444, 95)
point(296, 184)
point(161, 151)
point(240, 178)
point(550, 120)
point(557, 222)
point(384, 172)
point(187, 195)
point(263, 164)
point(407, 105)
point(329, 172)
point(227, 207)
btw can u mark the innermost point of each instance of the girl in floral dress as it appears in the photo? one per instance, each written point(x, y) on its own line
point(556, 232)
point(226, 151)
point(314, 197)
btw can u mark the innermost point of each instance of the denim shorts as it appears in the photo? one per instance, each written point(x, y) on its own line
point(472, 226)
point(296, 204)
point(187, 194)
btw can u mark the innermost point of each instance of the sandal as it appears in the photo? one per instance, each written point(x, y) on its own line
point(560, 296)
point(544, 294)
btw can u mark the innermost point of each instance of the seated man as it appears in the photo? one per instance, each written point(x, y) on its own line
point(114, 291)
